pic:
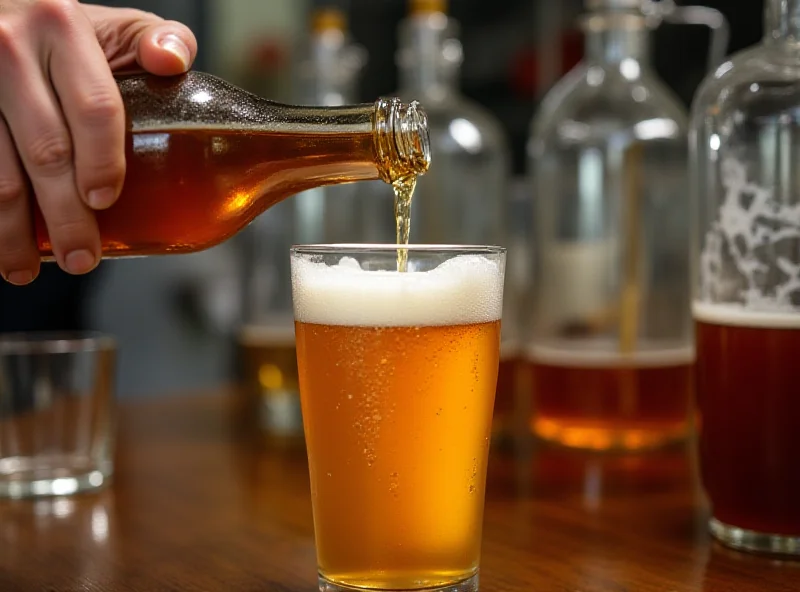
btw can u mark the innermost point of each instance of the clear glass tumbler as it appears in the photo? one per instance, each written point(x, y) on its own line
point(397, 382)
point(56, 413)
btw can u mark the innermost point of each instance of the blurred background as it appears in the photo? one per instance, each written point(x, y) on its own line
point(178, 319)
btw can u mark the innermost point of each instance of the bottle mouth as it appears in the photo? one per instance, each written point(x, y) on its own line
point(403, 139)
point(413, 136)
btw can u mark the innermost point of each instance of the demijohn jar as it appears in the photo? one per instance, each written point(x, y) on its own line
point(610, 348)
point(745, 138)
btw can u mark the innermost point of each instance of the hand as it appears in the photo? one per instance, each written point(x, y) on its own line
point(62, 120)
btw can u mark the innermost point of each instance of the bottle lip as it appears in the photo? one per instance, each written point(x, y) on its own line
point(403, 139)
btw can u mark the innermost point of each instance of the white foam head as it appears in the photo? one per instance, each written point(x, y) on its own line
point(647, 356)
point(463, 290)
point(739, 316)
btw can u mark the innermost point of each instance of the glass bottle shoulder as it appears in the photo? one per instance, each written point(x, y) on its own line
point(759, 81)
point(594, 102)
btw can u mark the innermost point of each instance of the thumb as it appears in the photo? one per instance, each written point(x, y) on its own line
point(166, 48)
point(133, 38)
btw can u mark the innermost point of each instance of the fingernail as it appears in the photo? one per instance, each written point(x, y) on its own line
point(20, 277)
point(100, 199)
point(80, 261)
point(175, 45)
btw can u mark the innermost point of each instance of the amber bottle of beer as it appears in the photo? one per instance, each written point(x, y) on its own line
point(204, 158)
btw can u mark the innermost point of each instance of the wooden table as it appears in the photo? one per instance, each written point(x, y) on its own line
point(196, 506)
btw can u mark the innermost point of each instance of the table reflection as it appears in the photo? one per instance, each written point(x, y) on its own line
point(75, 533)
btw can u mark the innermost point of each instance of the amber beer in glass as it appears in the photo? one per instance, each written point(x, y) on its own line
point(397, 381)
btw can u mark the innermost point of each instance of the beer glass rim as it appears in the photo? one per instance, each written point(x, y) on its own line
point(343, 248)
point(55, 342)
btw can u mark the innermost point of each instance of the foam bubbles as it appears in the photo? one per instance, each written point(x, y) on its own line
point(747, 252)
point(739, 316)
point(462, 290)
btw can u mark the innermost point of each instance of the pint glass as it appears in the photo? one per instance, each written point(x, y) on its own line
point(397, 380)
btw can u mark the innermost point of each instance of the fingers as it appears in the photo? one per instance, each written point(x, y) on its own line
point(62, 120)
point(19, 259)
point(94, 113)
point(45, 147)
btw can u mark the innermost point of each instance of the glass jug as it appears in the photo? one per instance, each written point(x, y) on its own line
point(610, 347)
point(745, 143)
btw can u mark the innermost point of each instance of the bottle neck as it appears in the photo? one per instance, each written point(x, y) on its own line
point(610, 39)
point(782, 21)
point(429, 57)
point(387, 140)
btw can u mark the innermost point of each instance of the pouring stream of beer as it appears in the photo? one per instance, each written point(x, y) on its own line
point(403, 193)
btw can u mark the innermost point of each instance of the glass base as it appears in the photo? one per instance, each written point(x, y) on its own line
point(589, 437)
point(750, 540)
point(468, 585)
point(24, 477)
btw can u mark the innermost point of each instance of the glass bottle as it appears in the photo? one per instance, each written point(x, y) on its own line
point(462, 199)
point(745, 156)
point(610, 346)
point(327, 76)
point(204, 158)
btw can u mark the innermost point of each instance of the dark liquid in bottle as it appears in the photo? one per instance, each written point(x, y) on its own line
point(189, 189)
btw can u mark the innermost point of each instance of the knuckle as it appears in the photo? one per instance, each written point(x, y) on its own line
point(60, 13)
point(16, 254)
point(74, 230)
point(96, 173)
point(10, 191)
point(9, 42)
point(16, 248)
point(51, 152)
point(100, 107)
point(138, 14)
